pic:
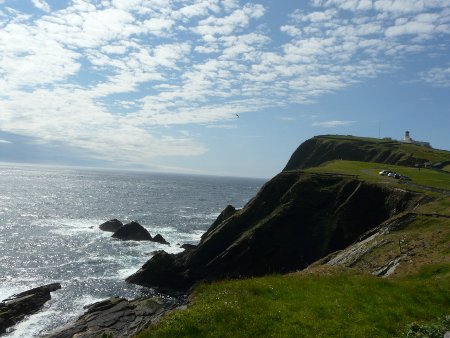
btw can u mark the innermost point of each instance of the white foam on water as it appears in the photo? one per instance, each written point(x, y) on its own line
point(69, 223)
point(127, 272)
point(35, 323)
point(6, 292)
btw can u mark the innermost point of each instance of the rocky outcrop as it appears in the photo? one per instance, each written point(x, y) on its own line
point(295, 219)
point(188, 247)
point(321, 149)
point(225, 214)
point(132, 231)
point(112, 225)
point(15, 308)
point(116, 317)
point(159, 239)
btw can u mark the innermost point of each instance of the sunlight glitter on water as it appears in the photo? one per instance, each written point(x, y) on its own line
point(49, 221)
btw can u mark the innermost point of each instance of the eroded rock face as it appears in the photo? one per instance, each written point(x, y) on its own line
point(132, 231)
point(225, 214)
point(112, 225)
point(296, 219)
point(116, 317)
point(15, 308)
point(164, 271)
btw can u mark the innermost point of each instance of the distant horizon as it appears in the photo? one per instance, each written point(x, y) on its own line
point(216, 87)
point(144, 170)
point(124, 170)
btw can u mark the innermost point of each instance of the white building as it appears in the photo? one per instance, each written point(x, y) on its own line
point(408, 139)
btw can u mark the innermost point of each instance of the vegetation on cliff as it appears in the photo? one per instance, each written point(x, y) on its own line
point(321, 149)
point(333, 303)
point(333, 214)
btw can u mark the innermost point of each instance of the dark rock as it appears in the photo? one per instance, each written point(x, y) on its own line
point(162, 270)
point(225, 214)
point(15, 308)
point(188, 247)
point(132, 231)
point(116, 317)
point(112, 225)
point(159, 239)
point(295, 219)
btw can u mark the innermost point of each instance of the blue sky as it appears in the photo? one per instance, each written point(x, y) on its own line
point(157, 85)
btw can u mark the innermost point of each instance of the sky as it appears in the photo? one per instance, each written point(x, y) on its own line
point(216, 87)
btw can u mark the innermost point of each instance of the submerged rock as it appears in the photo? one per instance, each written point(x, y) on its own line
point(116, 317)
point(15, 308)
point(112, 225)
point(132, 231)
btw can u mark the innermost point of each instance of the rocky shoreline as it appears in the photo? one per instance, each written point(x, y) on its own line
point(119, 317)
point(17, 307)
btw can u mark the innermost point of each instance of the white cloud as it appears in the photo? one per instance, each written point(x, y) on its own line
point(4, 141)
point(437, 77)
point(110, 76)
point(332, 124)
point(41, 4)
point(290, 30)
point(238, 19)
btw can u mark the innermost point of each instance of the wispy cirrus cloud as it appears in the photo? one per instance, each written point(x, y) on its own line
point(332, 124)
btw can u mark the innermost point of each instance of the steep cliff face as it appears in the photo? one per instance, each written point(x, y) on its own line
point(295, 219)
point(321, 149)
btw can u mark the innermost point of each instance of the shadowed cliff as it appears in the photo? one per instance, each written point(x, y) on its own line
point(295, 219)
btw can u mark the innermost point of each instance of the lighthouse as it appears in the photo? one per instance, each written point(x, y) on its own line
point(408, 139)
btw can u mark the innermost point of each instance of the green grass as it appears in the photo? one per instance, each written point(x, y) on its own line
point(369, 172)
point(311, 305)
point(407, 150)
point(357, 138)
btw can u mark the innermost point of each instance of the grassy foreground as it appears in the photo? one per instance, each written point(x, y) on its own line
point(340, 304)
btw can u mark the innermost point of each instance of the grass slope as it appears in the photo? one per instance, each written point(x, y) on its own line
point(431, 154)
point(342, 304)
point(368, 171)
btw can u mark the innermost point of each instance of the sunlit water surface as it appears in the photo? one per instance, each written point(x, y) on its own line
point(49, 230)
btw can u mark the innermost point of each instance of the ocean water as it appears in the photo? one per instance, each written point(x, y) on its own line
point(49, 232)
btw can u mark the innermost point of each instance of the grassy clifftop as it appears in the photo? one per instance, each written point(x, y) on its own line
point(321, 149)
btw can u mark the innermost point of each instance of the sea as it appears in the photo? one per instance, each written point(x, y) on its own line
point(49, 218)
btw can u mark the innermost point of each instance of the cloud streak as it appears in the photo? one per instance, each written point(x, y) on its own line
point(332, 124)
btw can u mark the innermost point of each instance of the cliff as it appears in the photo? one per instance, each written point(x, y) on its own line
point(295, 219)
point(301, 216)
point(321, 149)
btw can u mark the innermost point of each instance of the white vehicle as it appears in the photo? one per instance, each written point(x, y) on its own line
point(384, 172)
